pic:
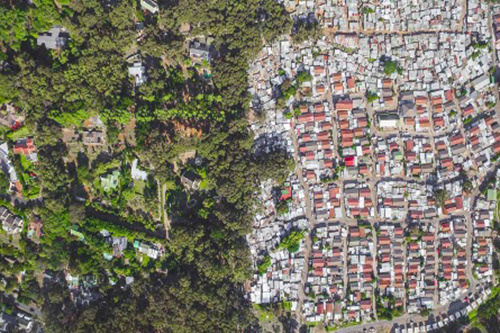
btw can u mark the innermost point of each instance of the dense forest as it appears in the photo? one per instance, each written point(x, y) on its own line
point(206, 256)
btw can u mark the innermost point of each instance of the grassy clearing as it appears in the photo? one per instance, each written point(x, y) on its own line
point(264, 313)
point(139, 186)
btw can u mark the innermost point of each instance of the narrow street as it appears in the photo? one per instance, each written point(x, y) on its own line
point(310, 217)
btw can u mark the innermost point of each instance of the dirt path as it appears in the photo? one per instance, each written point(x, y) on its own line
point(310, 217)
point(166, 220)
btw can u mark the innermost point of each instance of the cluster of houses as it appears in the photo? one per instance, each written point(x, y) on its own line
point(391, 262)
point(360, 273)
point(83, 289)
point(452, 243)
point(482, 220)
point(353, 137)
point(421, 261)
point(401, 15)
point(391, 197)
point(419, 156)
point(281, 277)
point(388, 156)
point(358, 200)
point(18, 321)
point(451, 155)
point(11, 223)
point(90, 138)
point(341, 275)
point(283, 281)
point(326, 278)
point(432, 15)
point(326, 202)
point(153, 251)
point(443, 319)
point(483, 136)
point(314, 139)
point(10, 117)
point(364, 57)
point(386, 129)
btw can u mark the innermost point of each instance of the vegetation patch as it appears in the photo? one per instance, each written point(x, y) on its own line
point(292, 241)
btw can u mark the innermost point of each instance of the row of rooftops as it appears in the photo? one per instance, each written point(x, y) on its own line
point(430, 142)
point(352, 15)
point(474, 72)
point(436, 246)
point(443, 319)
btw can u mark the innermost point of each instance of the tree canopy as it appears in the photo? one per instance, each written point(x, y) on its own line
point(197, 284)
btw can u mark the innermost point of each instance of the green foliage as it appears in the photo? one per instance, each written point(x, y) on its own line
point(13, 30)
point(206, 257)
point(441, 196)
point(467, 186)
point(287, 306)
point(202, 107)
point(487, 313)
point(468, 120)
point(288, 89)
point(20, 133)
point(480, 45)
point(304, 76)
point(8, 90)
point(368, 10)
point(4, 182)
point(264, 265)
point(292, 241)
point(386, 308)
point(282, 207)
point(305, 30)
point(371, 96)
point(44, 15)
point(264, 312)
point(67, 119)
point(390, 67)
point(425, 312)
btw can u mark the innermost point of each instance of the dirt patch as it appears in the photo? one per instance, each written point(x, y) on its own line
point(186, 130)
point(128, 134)
point(183, 158)
point(185, 28)
point(187, 155)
